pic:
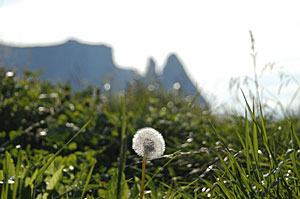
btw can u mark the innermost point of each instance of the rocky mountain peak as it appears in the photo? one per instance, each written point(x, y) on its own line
point(173, 64)
point(151, 75)
point(151, 66)
point(174, 74)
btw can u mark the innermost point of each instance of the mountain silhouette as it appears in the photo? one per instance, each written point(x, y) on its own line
point(151, 75)
point(174, 72)
point(84, 64)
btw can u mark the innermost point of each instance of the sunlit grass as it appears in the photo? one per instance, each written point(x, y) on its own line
point(85, 148)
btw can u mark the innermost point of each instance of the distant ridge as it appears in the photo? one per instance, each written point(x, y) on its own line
point(85, 64)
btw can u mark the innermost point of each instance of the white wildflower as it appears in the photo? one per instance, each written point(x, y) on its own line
point(148, 143)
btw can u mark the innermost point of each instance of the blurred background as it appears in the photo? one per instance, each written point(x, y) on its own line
point(194, 46)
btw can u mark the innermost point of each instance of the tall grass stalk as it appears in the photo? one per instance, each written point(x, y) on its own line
point(254, 54)
point(123, 150)
point(88, 178)
point(143, 178)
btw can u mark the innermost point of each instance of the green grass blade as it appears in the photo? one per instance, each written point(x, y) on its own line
point(112, 186)
point(241, 140)
point(159, 169)
point(248, 159)
point(226, 168)
point(52, 158)
point(248, 107)
point(255, 150)
point(231, 176)
point(123, 150)
point(249, 144)
point(208, 183)
point(265, 140)
point(88, 178)
point(243, 177)
point(180, 193)
point(294, 163)
point(255, 143)
point(23, 175)
point(294, 134)
point(219, 136)
point(3, 192)
point(223, 188)
point(188, 185)
point(18, 167)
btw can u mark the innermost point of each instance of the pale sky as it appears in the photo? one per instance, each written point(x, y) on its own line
point(211, 38)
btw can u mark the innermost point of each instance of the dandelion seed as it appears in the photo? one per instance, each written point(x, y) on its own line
point(148, 143)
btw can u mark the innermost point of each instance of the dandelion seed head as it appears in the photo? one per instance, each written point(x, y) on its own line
point(149, 143)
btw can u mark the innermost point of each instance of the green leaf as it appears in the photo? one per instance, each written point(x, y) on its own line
point(73, 146)
point(1, 175)
point(8, 172)
point(14, 134)
point(42, 196)
point(33, 177)
point(112, 186)
point(89, 197)
point(9, 167)
point(55, 178)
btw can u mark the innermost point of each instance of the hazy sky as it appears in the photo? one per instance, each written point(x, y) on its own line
point(210, 37)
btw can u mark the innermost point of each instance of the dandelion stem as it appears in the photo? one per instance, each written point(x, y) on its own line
point(143, 177)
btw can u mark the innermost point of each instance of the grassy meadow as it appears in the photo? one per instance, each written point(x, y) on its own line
point(56, 143)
